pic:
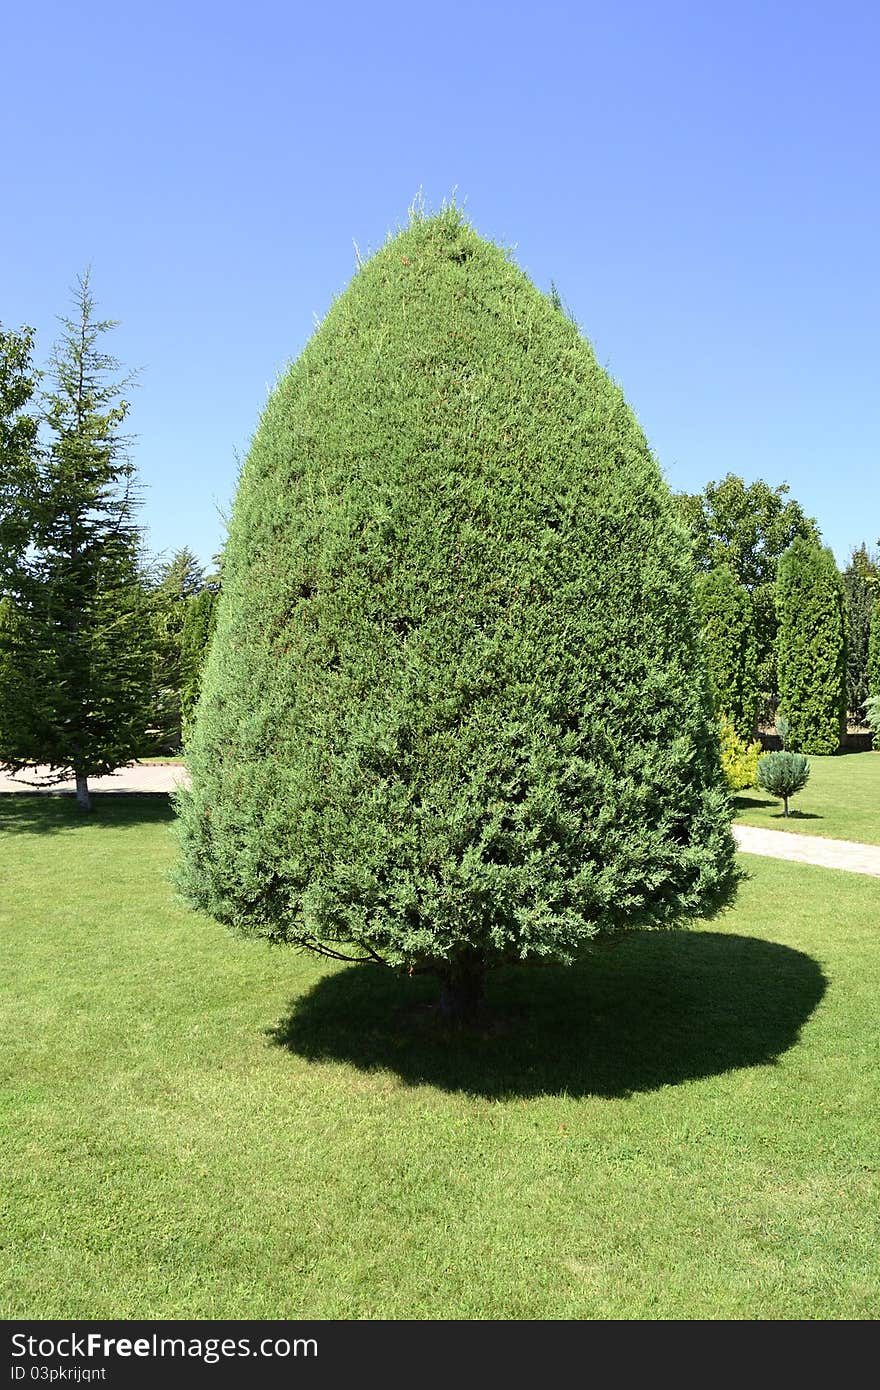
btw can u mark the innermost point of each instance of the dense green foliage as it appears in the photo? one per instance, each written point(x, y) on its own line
point(178, 584)
point(739, 757)
point(782, 774)
point(861, 582)
point(83, 621)
point(748, 529)
point(455, 711)
point(202, 1128)
point(873, 663)
point(195, 639)
point(811, 654)
point(18, 435)
point(726, 620)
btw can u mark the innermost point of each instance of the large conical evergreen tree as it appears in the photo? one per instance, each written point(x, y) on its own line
point(455, 712)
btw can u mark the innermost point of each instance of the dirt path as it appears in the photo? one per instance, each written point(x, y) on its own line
point(809, 849)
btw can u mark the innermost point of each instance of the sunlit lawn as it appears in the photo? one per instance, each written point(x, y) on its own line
point(685, 1126)
point(841, 800)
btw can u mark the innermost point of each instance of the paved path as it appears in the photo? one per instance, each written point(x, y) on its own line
point(138, 777)
point(809, 849)
point(777, 844)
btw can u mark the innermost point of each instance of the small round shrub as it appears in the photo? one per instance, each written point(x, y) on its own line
point(783, 774)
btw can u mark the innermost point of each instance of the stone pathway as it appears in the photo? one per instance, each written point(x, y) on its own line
point(809, 849)
point(138, 777)
point(776, 844)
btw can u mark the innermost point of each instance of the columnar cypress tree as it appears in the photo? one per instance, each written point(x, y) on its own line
point(874, 652)
point(728, 634)
point(180, 581)
point(198, 629)
point(455, 711)
point(811, 651)
point(861, 582)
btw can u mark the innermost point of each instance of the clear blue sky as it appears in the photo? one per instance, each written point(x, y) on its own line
point(702, 182)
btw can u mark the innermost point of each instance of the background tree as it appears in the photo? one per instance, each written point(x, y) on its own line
point(812, 648)
point(19, 423)
point(861, 582)
point(85, 622)
point(198, 629)
point(748, 529)
point(725, 609)
point(455, 712)
point(178, 584)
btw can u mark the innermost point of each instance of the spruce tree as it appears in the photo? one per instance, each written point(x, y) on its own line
point(82, 605)
point(811, 648)
point(19, 421)
point(455, 712)
point(728, 634)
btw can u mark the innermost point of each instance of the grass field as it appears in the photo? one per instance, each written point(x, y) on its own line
point(841, 800)
point(683, 1127)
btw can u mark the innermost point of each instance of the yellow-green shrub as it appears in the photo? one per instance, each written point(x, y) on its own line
point(739, 759)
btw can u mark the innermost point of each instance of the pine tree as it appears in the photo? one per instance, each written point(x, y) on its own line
point(811, 651)
point(728, 633)
point(82, 603)
point(455, 711)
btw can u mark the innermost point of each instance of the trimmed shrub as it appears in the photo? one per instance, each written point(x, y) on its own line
point(811, 652)
point(783, 774)
point(739, 759)
point(726, 623)
point(455, 712)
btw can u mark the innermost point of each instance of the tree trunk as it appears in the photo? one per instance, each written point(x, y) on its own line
point(462, 991)
point(785, 805)
point(83, 799)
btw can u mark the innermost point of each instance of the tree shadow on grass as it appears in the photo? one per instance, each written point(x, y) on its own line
point(752, 803)
point(643, 1011)
point(757, 803)
point(41, 813)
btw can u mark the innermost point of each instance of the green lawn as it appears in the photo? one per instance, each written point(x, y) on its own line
point(684, 1127)
point(841, 800)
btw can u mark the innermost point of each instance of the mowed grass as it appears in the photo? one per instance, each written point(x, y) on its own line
point(685, 1126)
point(841, 800)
